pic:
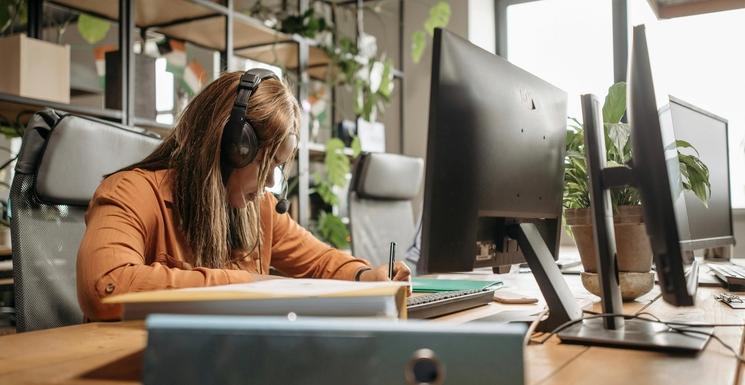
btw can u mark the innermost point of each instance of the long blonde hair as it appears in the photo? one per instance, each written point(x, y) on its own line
point(211, 227)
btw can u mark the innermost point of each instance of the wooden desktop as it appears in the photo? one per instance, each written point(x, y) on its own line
point(112, 353)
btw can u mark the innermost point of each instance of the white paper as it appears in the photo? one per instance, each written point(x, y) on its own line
point(372, 136)
point(299, 287)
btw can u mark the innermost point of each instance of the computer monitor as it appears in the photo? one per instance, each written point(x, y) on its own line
point(655, 172)
point(495, 169)
point(495, 151)
point(710, 224)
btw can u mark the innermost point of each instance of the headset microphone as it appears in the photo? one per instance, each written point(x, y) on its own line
point(283, 204)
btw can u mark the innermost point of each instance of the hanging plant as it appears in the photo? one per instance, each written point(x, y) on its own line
point(439, 17)
point(370, 78)
point(92, 29)
point(308, 24)
point(330, 227)
point(12, 12)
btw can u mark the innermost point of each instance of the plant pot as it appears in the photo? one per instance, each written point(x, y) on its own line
point(633, 285)
point(632, 245)
point(35, 68)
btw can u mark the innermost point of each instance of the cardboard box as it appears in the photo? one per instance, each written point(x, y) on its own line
point(35, 68)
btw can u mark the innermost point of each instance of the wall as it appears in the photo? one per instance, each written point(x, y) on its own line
point(416, 88)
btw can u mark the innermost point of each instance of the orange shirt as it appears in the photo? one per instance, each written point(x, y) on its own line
point(132, 243)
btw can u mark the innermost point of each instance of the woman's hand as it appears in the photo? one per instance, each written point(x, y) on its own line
point(401, 272)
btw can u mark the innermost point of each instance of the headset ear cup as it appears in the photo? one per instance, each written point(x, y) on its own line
point(247, 147)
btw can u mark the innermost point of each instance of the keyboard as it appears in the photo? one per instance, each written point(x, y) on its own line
point(731, 274)
point(446, 302)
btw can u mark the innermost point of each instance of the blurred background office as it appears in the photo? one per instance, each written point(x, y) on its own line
point(361, 70)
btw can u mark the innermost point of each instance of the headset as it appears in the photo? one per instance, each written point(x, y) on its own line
point(239, 143)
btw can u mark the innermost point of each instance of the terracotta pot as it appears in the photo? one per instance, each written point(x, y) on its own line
point(632, 243)
point(633, 285)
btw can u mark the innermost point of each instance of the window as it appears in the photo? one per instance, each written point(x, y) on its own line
point(701, 60)
point(568, 43)
point(481, 24)
point(163, 92)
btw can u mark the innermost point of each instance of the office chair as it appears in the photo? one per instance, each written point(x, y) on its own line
point(380, 204)
point(62, 160)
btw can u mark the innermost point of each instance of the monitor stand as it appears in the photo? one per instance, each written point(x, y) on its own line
point(637, 334)
point(561, 303)
point(617, 331)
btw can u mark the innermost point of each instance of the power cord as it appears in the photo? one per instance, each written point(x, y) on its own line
point(679, 327)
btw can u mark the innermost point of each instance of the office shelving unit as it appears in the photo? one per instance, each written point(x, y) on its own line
point(214, 25)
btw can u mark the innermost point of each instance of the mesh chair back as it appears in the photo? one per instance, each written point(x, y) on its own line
point(62, 160)
point(380, 204)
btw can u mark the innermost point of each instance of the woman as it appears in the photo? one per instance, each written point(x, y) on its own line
point(188, 215)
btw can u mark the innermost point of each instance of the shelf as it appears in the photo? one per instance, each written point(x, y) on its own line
point(320, 71)
point(202, 22)
point(199, 22)
point(210, 33)
point(161, 129)
point(12, 105)
point(344, 2)
point(318, 150)
point(286, 55)
point(148, 13)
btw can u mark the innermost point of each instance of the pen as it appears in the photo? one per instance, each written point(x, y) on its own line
point(391, 260)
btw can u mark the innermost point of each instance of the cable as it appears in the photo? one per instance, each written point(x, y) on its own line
point(679, 327)
point(533, 325)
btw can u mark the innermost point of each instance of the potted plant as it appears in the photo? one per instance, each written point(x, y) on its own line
point(634, 253)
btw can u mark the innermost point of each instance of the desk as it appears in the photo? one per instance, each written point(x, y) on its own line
point(111, 353)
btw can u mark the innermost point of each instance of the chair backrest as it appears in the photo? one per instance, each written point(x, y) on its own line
point(62, 160)
point(380, 204)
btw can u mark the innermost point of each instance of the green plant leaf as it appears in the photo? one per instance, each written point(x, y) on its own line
point(22, 12)
point(386, 84)
point(356, 147)
point(683, 144)
point(5, 12)
point(619, 134)
point(92, 29)
point(325, 191)
point(418, 43)
point(333, 230)
point(439, 17)
point(694, 174)
point(359, 97)
point(615, 103)
point(337, 164)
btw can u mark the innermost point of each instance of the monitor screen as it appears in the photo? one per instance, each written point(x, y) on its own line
point(710, 224)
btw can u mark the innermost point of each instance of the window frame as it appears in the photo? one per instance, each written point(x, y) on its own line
point(620, 20)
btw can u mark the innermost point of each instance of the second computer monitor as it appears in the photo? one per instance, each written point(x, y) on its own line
point(495, 154)
point(710, 223)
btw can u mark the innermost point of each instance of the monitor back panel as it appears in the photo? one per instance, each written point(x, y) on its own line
point(495, 149)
